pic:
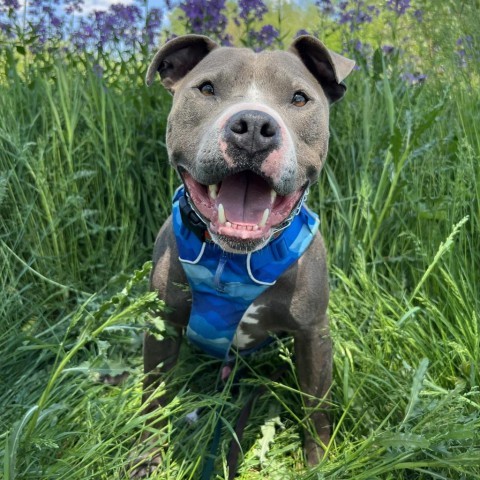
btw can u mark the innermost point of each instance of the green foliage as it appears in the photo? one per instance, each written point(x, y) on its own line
point(81, 186)
point(85, 185)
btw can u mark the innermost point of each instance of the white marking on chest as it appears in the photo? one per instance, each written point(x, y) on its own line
point(242, 339)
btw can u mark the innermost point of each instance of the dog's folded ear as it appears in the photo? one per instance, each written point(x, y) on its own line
point(328, 67)
point(177, 57)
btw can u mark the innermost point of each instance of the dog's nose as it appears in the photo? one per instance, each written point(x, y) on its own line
point(253, 131)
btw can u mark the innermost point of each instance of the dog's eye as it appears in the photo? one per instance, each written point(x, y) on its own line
point(207, 89)
point(299, 99)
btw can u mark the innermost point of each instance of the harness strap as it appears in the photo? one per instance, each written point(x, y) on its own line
point(224, 285)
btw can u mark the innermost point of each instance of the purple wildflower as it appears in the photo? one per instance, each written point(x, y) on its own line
point(418, 15)
point(8, 17)
point(98, 70)
point(205, 17)
point(414, 78)
point(9, 4)
point(315, 33)
point(45, 22)
point(252, 9)
point(358, 15)
point(358, 46)
point(301, 32)
point(325, 6)
point(388, 49)
point(466, 50)
point(153, 23)
point(72, 6)
point(264, 38)
point(467, 40)
point(6, 28)
point(398, 6)
point(119, 26)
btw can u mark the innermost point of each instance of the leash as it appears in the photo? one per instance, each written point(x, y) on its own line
point(207, 471)
point(208, 467)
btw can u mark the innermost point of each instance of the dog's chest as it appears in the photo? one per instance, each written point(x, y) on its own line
point(225, 286)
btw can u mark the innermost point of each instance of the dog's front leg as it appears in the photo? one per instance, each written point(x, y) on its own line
point(169, 281)
point(158, 358)
point(313, 351)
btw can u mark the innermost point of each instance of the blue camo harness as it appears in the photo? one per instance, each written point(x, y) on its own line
point(224, 284)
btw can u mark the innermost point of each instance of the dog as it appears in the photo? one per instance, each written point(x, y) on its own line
point(248, 135)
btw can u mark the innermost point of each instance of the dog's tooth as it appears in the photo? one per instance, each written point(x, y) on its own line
point(264, 219)
point(273, 196)
point(221, 214)
point(228, 224)
point(255, 227)
point(212, 191)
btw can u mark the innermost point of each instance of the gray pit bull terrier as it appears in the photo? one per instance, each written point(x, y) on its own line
point(248, 134)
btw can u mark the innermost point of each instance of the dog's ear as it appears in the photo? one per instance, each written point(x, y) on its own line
point(328, 67)
point(177, 57)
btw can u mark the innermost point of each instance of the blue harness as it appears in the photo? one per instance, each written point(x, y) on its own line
point(224, 284)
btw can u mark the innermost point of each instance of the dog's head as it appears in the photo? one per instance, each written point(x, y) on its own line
point(248, 132)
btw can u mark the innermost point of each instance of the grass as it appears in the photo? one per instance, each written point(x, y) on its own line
point(84, 185)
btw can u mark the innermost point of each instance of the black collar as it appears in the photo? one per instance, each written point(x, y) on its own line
point(190, 218)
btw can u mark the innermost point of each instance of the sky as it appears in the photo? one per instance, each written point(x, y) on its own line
point(91, 5)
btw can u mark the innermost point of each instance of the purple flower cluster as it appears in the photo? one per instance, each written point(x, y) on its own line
point(133, 27)
point(72, 6)
point(251, 10)
point(153, 24)
point(10, 4)
point(264, 38)
point(466, 51)
point(354, 13)
point(388, 49)
point(303, 32)
point(50, 22)
point(326, 7)
point(358, 14)
point(414, 78)
point(46, 22)
point(398, 6)
point(103, 29)
point(206, 17)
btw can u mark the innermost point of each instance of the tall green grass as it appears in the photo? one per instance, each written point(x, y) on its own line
point(84, 178)
point(84, 185)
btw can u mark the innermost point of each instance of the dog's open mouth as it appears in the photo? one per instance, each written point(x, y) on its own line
point(242, 206)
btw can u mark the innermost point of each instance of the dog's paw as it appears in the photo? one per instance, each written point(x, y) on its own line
point(144, 467)
point(314, 453)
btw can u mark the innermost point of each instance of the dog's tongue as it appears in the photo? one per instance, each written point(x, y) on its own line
point(244, 197)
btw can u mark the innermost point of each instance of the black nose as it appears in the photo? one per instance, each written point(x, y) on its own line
point(253, 131)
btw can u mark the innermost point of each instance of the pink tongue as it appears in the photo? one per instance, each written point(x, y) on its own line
point(244, 197)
